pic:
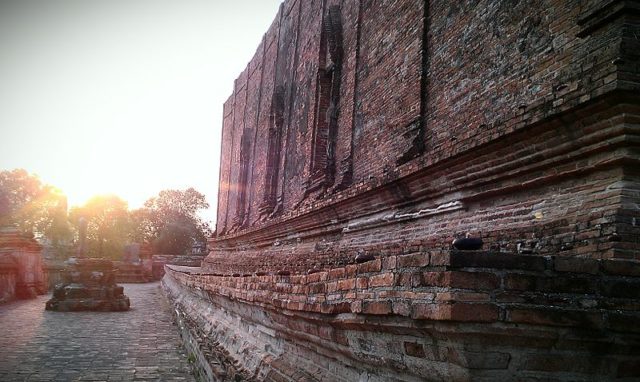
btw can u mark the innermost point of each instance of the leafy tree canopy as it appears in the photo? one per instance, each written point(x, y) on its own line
point(35, 208)
point(170, 221)
point(108, 225)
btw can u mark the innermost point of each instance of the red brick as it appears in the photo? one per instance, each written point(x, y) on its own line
point(462, 297)
point(337, 273)
point(336, 308)
point(408, 279)
point(317, 288)
point(362, 283)
point(377, 307)
point(429, 312)
point(439, 279)
point(462, 280)
point(389, 262)
point(370, 266)
point(432, 142)
point(347, 284)
point(325, 332)
point(317, 277)
point(381, 280)
point(464, 312)
point(439, 258)
point(413, 260)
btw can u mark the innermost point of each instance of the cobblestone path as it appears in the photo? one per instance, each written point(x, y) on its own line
point(139, 345)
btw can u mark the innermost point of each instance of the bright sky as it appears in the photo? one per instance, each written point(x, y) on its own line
point(122, 96)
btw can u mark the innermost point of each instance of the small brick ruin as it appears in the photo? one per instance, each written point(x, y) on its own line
point(136, 265)
point(21, 268)
point(364, 137)
point(88, 285)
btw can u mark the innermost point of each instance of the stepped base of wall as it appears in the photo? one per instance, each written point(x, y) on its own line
point(456, 316)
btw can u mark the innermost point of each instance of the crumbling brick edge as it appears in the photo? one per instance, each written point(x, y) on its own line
point(197, 361)
point(504, 315)
point(208, 360)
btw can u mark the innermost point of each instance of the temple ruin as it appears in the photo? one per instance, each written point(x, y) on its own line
point(364, 137)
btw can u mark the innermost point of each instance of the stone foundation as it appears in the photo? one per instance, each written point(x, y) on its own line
point(88, 285)
point(461, 316)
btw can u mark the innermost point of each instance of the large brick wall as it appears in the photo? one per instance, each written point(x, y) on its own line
point(344, 98)
point(382, 131)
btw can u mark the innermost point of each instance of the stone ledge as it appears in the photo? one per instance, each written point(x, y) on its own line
point(482, 286)
point(258, 326)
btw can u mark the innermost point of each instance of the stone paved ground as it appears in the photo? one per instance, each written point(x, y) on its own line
point(139, 345)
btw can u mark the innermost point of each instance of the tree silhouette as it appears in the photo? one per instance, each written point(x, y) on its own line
point(108, 225)
point(35, 208)
point(170, 222)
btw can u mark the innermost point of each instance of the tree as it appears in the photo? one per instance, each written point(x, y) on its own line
point(170, 221)
point(108, 225)
point(35, 208)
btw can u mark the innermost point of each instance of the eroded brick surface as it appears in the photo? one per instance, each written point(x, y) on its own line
point(365, 136)
point(443, 331)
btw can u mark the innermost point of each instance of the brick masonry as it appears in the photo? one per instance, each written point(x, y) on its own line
point(472, 315)
point(21, 267)
point(390, 128)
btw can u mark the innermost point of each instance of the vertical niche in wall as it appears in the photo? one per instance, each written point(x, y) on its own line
point(322, 160)
point(240, 220)
point(268, 205)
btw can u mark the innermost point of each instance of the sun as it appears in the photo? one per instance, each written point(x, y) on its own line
point(102, 175)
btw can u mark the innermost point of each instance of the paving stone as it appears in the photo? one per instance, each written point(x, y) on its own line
point(141, 344)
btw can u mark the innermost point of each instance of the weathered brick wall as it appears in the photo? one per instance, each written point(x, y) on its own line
point(418, 85)
point(387, 129)
point(225, 162)
point(22, 274)
point(388, 95)
point(436, 316)
point(547, 204)
point(8, 278)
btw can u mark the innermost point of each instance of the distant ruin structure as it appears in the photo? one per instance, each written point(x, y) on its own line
point(364, 137)
point(21, 267)
point(88, 284)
